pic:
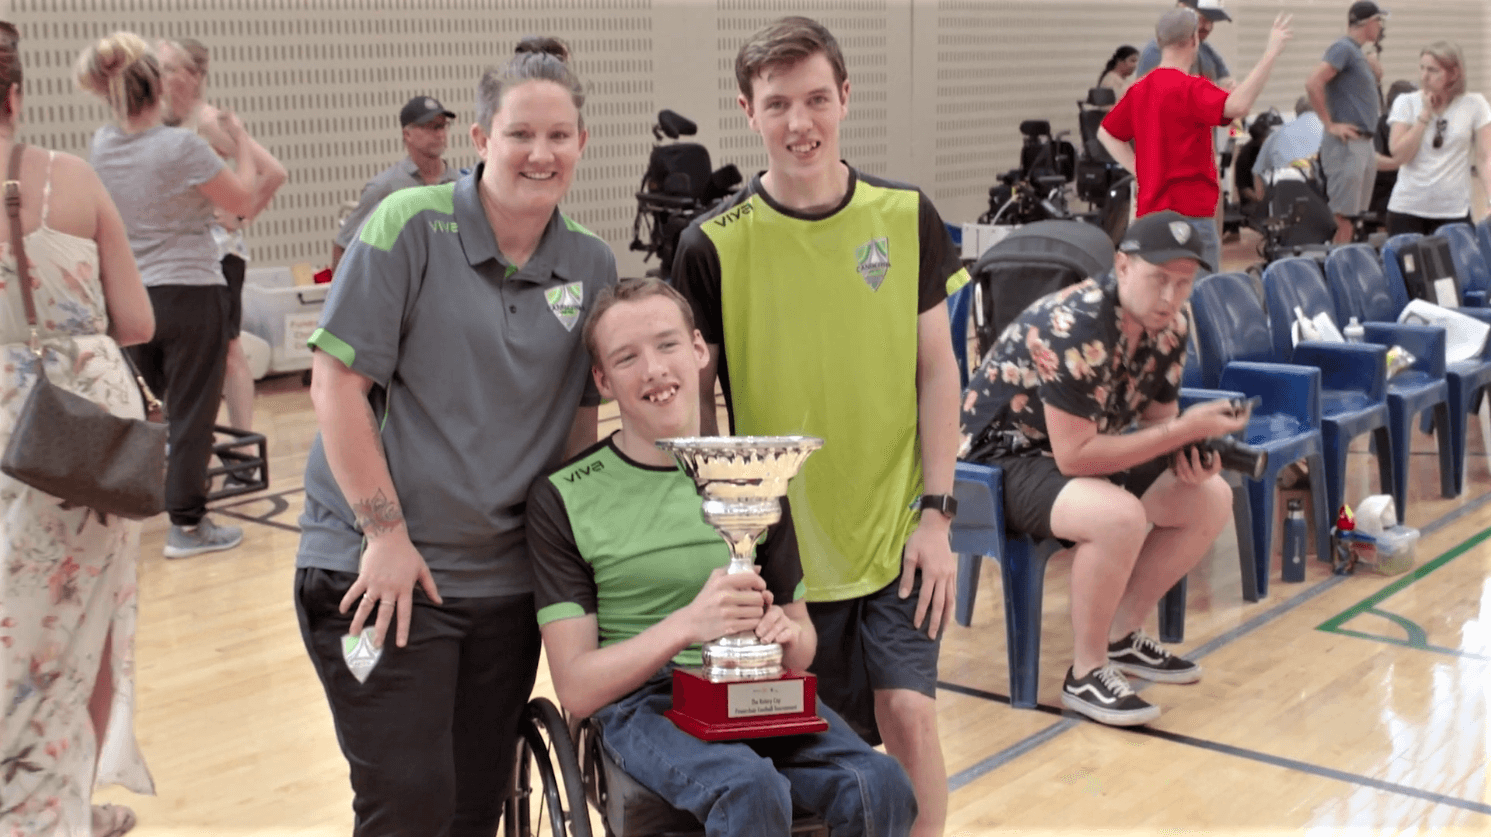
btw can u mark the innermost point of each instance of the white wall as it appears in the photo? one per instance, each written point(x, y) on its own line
point(938, 86)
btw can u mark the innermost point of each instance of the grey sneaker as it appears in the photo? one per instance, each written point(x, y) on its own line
point(206, 536)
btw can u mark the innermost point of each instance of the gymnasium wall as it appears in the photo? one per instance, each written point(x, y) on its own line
point(937, 86)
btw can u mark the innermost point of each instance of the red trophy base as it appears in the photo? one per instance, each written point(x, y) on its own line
point(785, 705)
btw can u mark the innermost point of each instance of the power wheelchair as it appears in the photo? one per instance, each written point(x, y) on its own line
point(572, 768)
point(678, 187)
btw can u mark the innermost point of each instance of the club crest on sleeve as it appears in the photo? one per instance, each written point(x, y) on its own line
point(873, 259)
point(565, 301)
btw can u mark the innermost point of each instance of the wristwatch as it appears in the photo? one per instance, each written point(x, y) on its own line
point(945, 503)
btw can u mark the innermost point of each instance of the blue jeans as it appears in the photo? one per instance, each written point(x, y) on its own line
point(1211, 243)
point(744, 788)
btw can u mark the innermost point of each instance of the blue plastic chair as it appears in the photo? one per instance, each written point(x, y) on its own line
point(1355, 268)
point(978, 532)
point(1291, 283)
point(958, 309)
point(1483, 237)
point(1470, 264)
point(1232, 325)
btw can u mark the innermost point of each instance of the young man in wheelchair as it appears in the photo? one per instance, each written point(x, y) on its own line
point(631, 581)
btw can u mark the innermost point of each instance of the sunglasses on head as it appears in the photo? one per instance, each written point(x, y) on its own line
point(1439, 126)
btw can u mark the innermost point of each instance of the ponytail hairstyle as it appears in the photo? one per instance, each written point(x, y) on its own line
point(537, 58)
point(121, 70)
point(10, 67)
point(1119, 56)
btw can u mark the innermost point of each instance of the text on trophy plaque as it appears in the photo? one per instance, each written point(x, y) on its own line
point(770, 697)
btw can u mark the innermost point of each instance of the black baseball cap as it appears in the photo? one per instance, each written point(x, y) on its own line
point(1211, 9)
point(1162, 237)
point(422, 109)
point(1363, 11)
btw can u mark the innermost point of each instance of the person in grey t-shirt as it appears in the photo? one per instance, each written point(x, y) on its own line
point(1209, 64)
point(166, 182)
point(1343, 91)
point(424, 122)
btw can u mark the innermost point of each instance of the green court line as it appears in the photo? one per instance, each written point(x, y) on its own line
point(1417, 638)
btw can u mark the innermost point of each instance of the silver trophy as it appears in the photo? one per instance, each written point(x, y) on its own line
point(742, 480)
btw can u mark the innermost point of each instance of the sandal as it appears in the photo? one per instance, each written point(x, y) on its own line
point(112, 820)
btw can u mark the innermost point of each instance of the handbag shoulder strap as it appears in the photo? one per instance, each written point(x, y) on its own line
point(18, 238)
point(23, 272)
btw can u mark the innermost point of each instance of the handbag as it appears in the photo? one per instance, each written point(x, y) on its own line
point(66, 445)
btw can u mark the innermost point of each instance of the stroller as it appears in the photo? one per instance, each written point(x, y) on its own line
point(1029, 263)
point(678, 187)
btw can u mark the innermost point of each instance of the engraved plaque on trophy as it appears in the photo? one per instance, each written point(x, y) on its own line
point(742, 691)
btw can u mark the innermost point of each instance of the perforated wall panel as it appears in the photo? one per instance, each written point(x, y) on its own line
point(320, 84)
point(938, 86)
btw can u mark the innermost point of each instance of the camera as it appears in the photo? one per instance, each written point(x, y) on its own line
point(1236, 455)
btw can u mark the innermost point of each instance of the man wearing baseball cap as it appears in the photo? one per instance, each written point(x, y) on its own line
point(1208, 64)
point(1343, 91)
point(1077, 404)
point(424, 121)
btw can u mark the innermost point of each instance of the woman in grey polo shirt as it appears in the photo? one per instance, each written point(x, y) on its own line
point(166, 182)
point(448, 374)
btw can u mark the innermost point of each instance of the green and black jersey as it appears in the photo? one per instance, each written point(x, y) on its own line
point(628, 543)
point(816, 316)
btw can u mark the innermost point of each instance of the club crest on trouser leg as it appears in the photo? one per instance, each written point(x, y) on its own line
point(361, 655)
point(873, 258)
point(565, 302)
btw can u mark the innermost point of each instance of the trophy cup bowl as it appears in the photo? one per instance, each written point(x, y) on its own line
point(742, 691)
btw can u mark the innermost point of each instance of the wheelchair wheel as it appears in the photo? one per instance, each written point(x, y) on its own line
point(548, 794)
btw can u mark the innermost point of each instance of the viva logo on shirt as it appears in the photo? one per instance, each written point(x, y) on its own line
point(874, 261)
point(565, 302)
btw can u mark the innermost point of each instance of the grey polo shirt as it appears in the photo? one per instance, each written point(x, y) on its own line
point(477, 368)
point(401, 175)
point(1351, 94)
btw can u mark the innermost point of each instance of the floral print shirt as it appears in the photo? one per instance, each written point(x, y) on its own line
point(1067, 350)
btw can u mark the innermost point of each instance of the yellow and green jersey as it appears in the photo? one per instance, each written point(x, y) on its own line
point(816, 320)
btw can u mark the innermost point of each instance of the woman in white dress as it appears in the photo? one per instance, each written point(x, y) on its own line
point(67, 575)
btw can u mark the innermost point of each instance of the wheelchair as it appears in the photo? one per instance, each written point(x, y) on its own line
point(1037, 190)
point(573, 772)
point(677, 187)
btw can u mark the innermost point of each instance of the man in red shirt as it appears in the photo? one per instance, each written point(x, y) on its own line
point(1169, 115)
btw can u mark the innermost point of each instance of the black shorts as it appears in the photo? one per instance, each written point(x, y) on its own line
point(234, 269)
point(1031, 484)
point(868, 644)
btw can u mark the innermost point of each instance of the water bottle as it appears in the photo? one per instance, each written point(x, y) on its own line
point(1294, 541)
point(1353, 331)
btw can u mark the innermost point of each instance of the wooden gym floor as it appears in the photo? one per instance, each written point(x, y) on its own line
point(1345, 704)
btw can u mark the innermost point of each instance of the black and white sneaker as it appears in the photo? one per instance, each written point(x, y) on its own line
point(1104, 696)
point(1141, 655)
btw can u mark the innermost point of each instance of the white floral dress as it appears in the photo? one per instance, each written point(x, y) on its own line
point(67, 579)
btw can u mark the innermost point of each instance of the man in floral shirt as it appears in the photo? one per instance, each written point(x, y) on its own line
point(1076, 403)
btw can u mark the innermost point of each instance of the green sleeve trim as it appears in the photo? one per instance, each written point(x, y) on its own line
point(562, 610)
point(574, 226)
point(800, 591)
point(332, 345)
point(956, 281)
point(383, 227)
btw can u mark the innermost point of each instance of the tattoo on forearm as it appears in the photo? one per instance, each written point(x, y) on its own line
point(377, 514)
